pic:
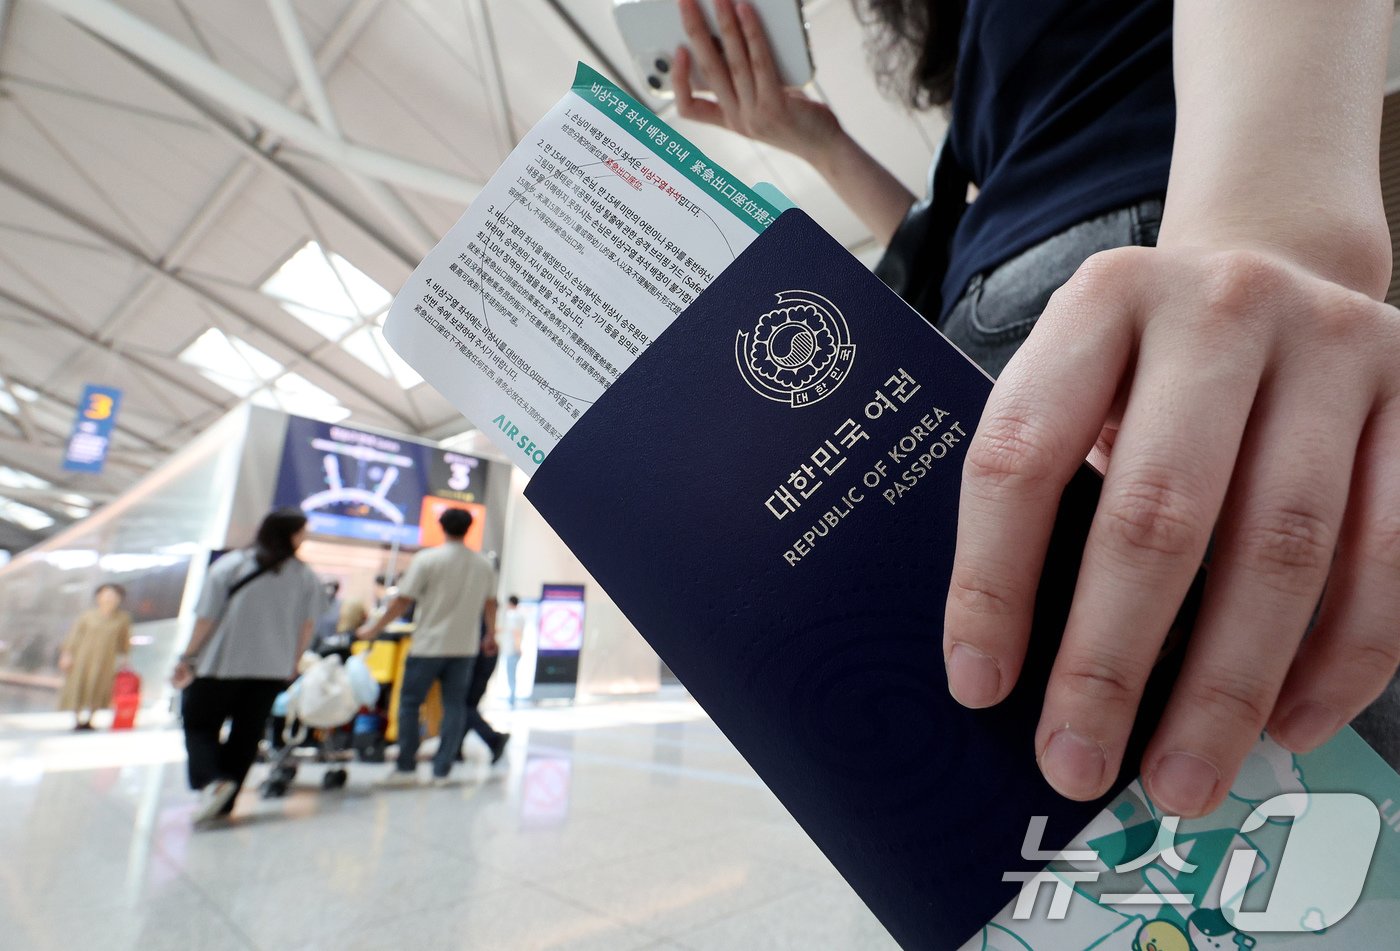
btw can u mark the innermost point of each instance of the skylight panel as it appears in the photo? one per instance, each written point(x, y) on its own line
point(19, 479)
point(404, 375)
point(233, 364)
point(341, 303)
point(330, 326)
point(23, 515)
point(369, 347)
point(367, 293)
point(295, 394)
point(307, 278)
point(8, 394)
point(262, 366)
point(75, 505)
point(361, 345)
point(314, 282)
point(246, 371)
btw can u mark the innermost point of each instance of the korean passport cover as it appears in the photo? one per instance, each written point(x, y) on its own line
point(770, 495)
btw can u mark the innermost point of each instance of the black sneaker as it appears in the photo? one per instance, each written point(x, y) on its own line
point(499, 749)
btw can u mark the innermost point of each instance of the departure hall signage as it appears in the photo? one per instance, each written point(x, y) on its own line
point(91, 436)
point(797, 589)
point(353, 483)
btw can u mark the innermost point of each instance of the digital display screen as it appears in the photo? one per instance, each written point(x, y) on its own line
point(357, 484)
point(561, 618)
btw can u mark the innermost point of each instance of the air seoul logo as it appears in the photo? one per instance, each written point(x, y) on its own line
point(799, 352)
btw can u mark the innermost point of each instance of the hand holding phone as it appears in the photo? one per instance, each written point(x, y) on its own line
point(653, 29)
point(749, 95)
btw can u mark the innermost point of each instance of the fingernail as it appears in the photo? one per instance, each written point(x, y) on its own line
point(1183, 784)
point(974, 679)
point(1073, 764)
point(1306, 726)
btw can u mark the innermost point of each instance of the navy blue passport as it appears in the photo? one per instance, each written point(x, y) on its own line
point(770, 495)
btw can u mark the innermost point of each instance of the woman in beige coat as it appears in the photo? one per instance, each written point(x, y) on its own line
point(100, 637)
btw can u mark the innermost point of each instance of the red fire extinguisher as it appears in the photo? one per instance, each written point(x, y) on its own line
point(126, 698)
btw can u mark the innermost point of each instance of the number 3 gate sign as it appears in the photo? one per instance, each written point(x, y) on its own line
point(92, 430)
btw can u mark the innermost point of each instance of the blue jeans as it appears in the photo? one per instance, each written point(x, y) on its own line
point(419, 673)
point(999, 307)
point(512, 662)
point(481, 676)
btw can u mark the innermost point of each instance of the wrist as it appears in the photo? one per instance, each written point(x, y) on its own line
point(1347, 243)
point(833, 155)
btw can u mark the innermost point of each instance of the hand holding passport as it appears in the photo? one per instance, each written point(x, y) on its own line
point(797, 590)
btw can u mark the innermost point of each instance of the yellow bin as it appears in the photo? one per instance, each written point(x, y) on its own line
point(386, 660)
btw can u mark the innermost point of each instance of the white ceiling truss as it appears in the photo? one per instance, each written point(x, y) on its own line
point(161, 159)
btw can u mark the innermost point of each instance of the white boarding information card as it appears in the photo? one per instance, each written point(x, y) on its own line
point(602, 225)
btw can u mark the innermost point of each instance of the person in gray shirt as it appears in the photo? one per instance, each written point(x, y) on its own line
point(255, 618)
point(455, 590)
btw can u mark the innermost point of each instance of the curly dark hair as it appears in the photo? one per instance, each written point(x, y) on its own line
point(913, 45)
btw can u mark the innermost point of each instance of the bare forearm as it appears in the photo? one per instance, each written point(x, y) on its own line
point(1278, 125)
point(750, 99)
point(391, 612)
point(308, 630)
point(203, 630)
point(878, 199)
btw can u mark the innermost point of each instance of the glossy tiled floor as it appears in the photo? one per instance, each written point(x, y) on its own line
point(617, 826)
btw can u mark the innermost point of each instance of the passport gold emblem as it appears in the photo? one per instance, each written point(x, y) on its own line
point(799, 352)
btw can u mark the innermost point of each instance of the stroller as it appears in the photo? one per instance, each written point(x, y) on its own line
point(327, 696)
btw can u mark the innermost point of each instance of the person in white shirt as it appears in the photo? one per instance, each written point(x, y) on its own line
point(512, 628)
point(453, 587)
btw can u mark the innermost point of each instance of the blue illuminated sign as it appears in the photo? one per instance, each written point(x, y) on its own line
point(92, 430)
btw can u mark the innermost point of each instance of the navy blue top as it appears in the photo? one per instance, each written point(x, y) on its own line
point(1062, 110)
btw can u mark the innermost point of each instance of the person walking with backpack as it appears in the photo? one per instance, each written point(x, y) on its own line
point(255, 618)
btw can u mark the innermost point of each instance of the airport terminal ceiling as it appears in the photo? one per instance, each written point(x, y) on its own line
point(203, 202)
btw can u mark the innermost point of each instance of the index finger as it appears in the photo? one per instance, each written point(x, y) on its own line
point(1166, 479)
point(765, 71)
point(736, 53)
point(707, 55)
point(1043, 417)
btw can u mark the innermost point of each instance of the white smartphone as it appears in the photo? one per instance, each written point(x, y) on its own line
point(652, 30)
